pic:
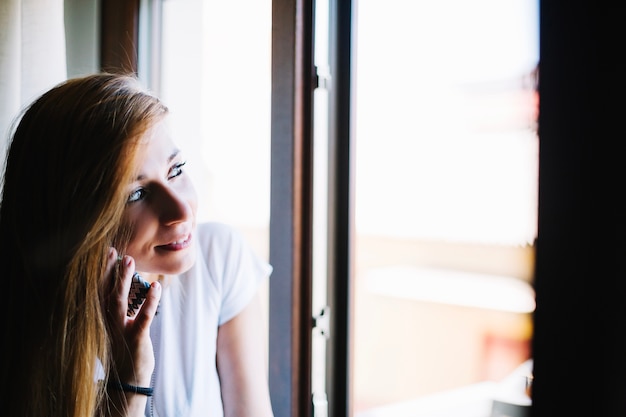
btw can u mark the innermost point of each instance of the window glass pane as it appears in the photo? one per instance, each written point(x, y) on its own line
point(446, 204)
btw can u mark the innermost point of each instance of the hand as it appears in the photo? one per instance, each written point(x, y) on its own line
point(131, 346)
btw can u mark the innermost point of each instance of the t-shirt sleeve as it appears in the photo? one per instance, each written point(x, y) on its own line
point(243, 271)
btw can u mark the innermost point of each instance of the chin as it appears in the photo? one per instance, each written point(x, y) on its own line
point(172, 264)
point(184, 264)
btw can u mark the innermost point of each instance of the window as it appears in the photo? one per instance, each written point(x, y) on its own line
point(427, 107)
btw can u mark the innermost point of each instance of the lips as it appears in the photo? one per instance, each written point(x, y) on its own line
point(179, 244)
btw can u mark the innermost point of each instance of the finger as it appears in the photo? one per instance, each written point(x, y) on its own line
point(149, 307)
point(119, 304)
point(111, 259)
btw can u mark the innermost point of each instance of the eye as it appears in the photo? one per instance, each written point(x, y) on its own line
point(137, 195)
point(176, 170)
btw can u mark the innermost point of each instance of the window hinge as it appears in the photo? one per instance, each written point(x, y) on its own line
point(320, 404)
point(322, 77)
point(321, 322)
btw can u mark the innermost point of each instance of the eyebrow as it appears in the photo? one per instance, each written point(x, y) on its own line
point(170, 158)
point(173, 155)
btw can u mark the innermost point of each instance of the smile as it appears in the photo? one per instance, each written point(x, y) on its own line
point(179, 244)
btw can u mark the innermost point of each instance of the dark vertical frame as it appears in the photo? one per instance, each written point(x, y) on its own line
point(341, 228)
point(290, 315)
point(120, 35)
point(579, 346)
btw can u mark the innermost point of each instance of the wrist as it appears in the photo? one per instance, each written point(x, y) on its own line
point(134, 389)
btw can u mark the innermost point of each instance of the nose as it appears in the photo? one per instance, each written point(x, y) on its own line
point(174, 206)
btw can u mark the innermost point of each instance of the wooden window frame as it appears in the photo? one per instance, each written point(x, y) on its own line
point(119, 35)
point(290, 315)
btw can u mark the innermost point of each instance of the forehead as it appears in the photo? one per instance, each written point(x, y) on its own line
point(156, 148)
point(157, 137)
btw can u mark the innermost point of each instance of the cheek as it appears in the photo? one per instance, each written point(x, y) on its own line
point(141, 225)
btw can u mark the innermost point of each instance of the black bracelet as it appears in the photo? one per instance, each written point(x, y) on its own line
point(132, 388)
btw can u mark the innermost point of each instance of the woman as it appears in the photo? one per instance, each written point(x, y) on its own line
point(94, 190)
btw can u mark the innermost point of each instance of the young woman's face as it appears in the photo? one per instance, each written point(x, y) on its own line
point(161, 207)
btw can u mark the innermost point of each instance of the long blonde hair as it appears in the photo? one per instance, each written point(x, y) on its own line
point(64, 192)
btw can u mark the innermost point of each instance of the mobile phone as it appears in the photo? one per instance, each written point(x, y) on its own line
point(138, 290)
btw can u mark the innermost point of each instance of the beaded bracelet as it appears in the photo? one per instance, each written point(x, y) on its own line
point(121, 386)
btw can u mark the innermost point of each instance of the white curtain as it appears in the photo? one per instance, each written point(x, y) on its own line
point(32, 55)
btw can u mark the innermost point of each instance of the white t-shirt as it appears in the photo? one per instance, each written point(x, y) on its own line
point(223, 280)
